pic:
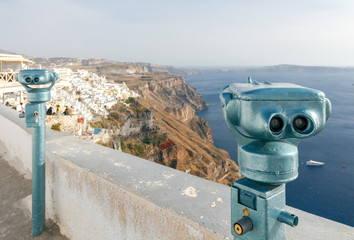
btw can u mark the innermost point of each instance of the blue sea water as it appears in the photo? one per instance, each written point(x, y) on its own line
point(327, 191)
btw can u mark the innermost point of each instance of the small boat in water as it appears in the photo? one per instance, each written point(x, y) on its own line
point(314, 163)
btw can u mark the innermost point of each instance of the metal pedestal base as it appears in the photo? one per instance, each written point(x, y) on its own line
point(263, 204)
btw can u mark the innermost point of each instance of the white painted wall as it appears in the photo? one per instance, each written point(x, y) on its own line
point(15, 141)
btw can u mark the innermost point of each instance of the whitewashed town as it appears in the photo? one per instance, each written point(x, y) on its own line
point(85, 91)
point(78, 97)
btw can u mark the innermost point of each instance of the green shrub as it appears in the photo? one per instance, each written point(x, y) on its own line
point(122, 145)
point(155, 139)
point(56, 127)
point(139, 148)
point(129, 100)
point(158, 139)
point(148, 140)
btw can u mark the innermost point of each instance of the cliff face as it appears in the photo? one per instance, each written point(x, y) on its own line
point(188, 146)
point(162, 126)
point(171, 91)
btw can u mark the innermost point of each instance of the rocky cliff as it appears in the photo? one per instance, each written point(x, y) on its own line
point(170, 90)
point(177, 137)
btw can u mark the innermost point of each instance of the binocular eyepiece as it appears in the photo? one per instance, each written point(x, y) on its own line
point(29, 79)
point(300, 124)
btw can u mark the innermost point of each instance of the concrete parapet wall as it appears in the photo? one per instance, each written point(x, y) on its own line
point(15, 141)
point(87, 206)
point(93, 192)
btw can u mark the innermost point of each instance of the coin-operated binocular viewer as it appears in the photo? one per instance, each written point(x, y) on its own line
point(38, 84)
point(268, 120)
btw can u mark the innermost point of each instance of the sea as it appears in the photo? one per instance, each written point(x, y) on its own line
point(328, 190)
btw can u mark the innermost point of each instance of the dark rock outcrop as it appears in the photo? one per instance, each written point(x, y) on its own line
point(140, 122)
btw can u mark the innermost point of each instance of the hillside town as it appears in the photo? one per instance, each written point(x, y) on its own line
point(81, 96)
point(87, 93)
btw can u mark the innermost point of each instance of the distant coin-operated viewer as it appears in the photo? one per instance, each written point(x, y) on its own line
point(38, 84)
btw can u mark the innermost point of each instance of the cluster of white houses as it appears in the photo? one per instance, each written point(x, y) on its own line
point(84, 91)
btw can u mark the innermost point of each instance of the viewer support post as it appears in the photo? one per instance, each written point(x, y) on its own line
point(38, 84)
point(273, 119)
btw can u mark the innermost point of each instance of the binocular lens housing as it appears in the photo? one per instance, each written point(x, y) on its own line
point(276, 124)
point(36, 79)
point(28, 79)
point(300, 123)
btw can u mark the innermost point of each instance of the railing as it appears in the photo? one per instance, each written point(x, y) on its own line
point(7, 76)
point(93, 192)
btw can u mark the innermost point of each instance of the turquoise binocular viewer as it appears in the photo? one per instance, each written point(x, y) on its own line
point(273, 117)
point(268, 120)
point(38, 84)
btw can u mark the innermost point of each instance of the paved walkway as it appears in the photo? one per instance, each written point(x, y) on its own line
point(15, 218)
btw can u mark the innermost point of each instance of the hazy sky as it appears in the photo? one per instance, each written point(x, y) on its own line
point(183, 32)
